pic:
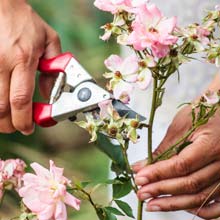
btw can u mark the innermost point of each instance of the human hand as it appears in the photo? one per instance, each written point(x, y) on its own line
point(24, 39)
point(190, 177)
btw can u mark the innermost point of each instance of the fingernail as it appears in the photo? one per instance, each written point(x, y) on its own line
point(153, 208)
point(140, 181)
point(28, 132)
point(145, 196)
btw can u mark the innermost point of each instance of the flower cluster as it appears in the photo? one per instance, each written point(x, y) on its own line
point(45, 193)
point(111, 124)
point(125, 73)
point(11, 173)
point(139, 25)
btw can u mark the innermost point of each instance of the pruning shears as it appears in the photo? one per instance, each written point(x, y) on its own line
point(74, 91)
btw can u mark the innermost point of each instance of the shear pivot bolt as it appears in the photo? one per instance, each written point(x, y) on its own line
point(84, 94)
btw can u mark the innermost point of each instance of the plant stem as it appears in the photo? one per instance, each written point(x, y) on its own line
point(151, 120)
point(140, 210)
point(182, 139)
point(128, 167)
point(150, 132)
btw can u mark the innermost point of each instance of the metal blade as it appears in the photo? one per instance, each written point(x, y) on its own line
point(124, 110)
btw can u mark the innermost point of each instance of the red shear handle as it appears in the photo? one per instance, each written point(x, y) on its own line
point(43, 115)
point(56, 64)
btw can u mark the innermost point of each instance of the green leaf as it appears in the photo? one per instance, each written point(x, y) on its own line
point(183, 145)
point(109, 215)
point(85, 184)
point(125, 208)
point(114, 152)
point(122, 189)
point(114, 211)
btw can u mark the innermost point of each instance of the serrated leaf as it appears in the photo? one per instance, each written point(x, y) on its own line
point(122, 189)
point(114, 211)
point(125, 208)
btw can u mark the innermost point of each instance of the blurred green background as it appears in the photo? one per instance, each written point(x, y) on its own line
point(78, 24)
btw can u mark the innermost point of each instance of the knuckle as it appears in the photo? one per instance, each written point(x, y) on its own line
point(192, 185)
point(181, 168)
point(4, 109)
point(22, 55)
point(20, 99)
point(55, 38)
point(172, 207)
point(201, 198)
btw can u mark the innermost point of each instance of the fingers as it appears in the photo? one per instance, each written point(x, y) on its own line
point(183, 202)
point(5, 112)
point(179, 165)
point(21, 93)
point(184, 185)
point(136, 167)
point(210, 211)
point(52, 49)
point(180, 125)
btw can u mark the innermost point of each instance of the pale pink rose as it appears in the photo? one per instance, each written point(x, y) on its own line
point(211, 97)
point(113, 6)
point(202, 35)
point(138, 3)
point(152, 30)
point(123, 91)
point(127, 67)
point(45, 193)
point(11, 172)
point(106, 108)
point(144, 79)
point(217, 7)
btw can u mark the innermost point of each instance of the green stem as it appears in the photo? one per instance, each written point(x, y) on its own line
point(140, 210)
point(182, 139)
point(151, 120)
point(2, 198)
point(150, 132)
point(128, 167)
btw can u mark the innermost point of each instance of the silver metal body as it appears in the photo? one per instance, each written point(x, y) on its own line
point(75, 91)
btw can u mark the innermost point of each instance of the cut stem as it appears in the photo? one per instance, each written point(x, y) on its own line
point(151, 120)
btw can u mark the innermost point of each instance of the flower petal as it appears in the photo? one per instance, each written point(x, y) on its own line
point(72, 201)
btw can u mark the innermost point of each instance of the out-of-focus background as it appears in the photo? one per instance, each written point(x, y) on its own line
point(77, 22)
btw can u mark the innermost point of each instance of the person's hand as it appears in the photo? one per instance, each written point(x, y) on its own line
point(24, 39)
point(185, 181)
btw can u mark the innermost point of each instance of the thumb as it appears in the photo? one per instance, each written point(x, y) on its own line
point(180, 125)
point(52, 49)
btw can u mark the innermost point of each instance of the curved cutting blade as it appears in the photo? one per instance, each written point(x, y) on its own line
point(124, 110)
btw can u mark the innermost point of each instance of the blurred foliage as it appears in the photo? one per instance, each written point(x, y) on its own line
point(78, 25)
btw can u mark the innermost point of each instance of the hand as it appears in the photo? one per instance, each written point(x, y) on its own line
point(24, 39)
point(190, 177)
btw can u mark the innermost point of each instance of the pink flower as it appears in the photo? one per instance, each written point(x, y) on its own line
point(125, 68)
point(211, 97)
point(144, 79)
point(113, 6)
point(45, 193)
point(123, 91)
point(217, 7)
point(11, 173)
point(107, 110)
point(152, 30)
